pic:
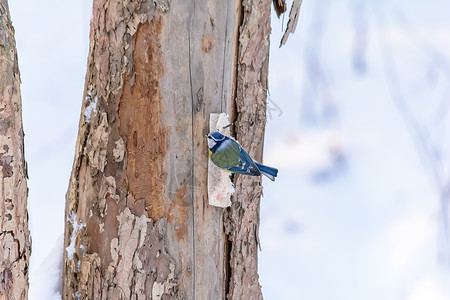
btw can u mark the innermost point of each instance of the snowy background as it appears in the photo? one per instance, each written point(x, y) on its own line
point(358, 120)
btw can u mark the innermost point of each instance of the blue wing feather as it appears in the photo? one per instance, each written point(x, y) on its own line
point(232, 157)
point(246, 166)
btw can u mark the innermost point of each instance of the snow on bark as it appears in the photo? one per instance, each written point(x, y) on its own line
point(117, 206)
point(139, 178)
point(76, 228)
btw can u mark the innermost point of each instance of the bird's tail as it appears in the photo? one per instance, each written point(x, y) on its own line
point(270, 172)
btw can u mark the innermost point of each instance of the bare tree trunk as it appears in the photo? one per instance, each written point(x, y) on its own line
point(242, 218)
point(15, 243)
point(138, 221)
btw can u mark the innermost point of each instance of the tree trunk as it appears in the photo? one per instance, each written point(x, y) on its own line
point(15, 243)
point(138, 221)
point(242, 219)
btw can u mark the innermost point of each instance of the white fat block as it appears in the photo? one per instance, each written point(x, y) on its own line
point(220, 187)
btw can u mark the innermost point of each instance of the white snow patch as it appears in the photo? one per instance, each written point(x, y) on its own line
point(72, 219)
point(45, 281)
point(92, 107)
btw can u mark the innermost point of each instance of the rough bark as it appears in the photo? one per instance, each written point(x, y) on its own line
point(15, 243)
point(138, 221)
point(242, 218)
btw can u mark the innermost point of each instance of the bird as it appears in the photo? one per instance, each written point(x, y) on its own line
point(227, 154)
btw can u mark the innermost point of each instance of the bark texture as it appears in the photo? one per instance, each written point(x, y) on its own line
point(15, 243)
point(138, 221)
point(242, 218)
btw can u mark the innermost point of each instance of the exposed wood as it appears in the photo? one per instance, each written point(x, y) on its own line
point(138, 220)
point(211, 74)
point(132, 169)
point(15, 243)
point(154, 75)
point(294, 14)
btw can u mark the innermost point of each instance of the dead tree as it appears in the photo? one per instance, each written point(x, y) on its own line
point(15, 243)
point(138, 220)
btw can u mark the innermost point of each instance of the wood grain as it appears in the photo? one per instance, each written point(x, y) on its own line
point(139, 223)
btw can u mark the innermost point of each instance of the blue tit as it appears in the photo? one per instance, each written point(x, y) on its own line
point(227, 154)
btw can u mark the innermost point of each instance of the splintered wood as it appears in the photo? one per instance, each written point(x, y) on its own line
point(293, 19)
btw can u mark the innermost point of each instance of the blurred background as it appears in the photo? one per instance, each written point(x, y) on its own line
point(358, 125)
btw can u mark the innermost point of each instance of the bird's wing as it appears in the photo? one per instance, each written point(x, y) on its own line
point(227, 154)
point(231, 156)
point(246, 166)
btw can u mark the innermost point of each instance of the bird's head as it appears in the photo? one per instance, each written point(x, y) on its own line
point(215, 138)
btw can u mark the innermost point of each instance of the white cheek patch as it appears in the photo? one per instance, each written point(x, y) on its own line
point(211, 143)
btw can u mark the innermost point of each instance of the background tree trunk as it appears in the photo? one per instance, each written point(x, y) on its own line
point(15, 243)
point(138, 220)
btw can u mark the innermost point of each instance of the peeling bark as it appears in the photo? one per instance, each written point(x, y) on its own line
point(118, 185)
point(138, 221)
point(15, 243)
point(242, 218)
